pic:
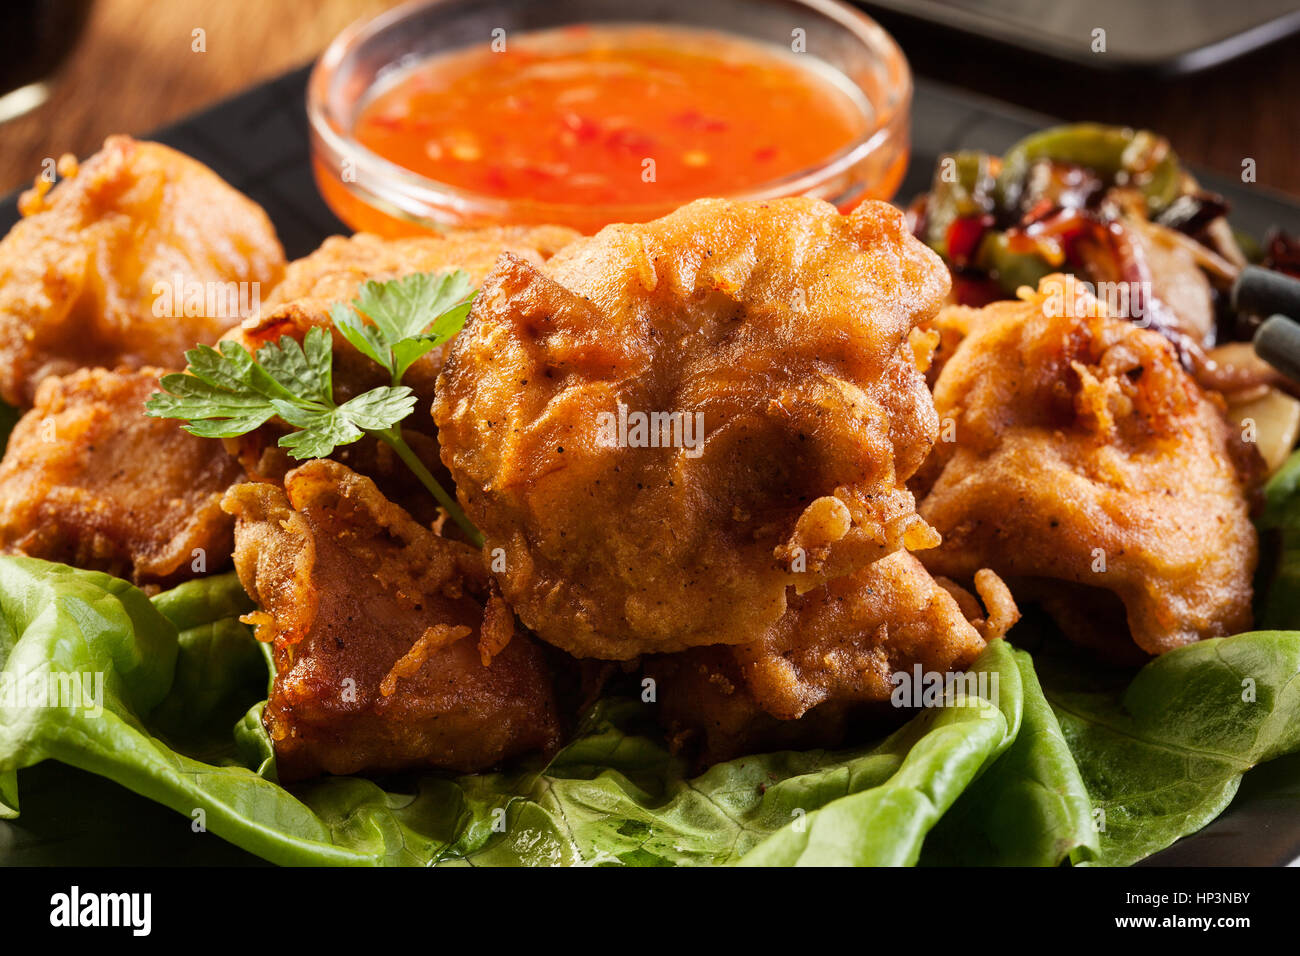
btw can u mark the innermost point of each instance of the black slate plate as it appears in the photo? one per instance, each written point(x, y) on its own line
point(257, 141)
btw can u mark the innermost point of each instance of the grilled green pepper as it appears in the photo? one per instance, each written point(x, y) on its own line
point(1138, 158)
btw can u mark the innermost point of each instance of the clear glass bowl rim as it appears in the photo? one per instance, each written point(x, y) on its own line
point(407, 194)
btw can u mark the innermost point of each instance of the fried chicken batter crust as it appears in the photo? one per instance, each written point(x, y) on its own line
point(334, 273)
point(834, 650)
point(786, 326)
point(711, 715)
point(845, 640)
point(385, 655)
point(78, 273)
point(89, 480)
point(1080, 439)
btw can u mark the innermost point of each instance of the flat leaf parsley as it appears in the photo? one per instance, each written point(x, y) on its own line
point(225, 392)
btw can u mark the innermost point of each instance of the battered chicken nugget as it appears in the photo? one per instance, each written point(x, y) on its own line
point(846, 640)
point(1083, 453)
point(681, 419)
point(711, 715)
point(90, 480)
point(386, 656)
point(334, 273)
point(129, 261)
point(833, 652)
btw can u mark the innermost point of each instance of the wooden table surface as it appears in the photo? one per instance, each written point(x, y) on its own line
point(134, 70)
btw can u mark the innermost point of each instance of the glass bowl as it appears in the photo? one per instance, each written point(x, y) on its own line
point(372, 194)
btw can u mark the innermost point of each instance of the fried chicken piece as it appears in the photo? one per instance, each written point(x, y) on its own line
point(771, 340)
point(845, 640)
point(710, 713)
point(337, 270)
point(944, 333)
point(834, 651)
point(90, 480)
point(390, 651)
point(91, 275)
point(1082, 452)
point(334, 273)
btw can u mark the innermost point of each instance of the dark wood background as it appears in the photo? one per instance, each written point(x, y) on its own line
point(134, 70)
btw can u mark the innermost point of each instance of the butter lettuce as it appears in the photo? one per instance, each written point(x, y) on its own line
point(56, 622)
point(1165, 754)
point(178, 669)
point(1165, 757)
point(1278, 593)
point(8, 794)
point(1033, 810)
point(1042, 773)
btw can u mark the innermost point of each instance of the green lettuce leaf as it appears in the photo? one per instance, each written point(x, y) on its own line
point(932, 760)
point(57, 622)
point(1279, 602)
point(8, 794)
point(616, 796)
point(176, 670)
point(1031, 809)
point(218, 668)
point(1165, 756)
point(1012, 777)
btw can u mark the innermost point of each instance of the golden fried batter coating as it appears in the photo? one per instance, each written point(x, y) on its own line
point(90, 480)
point(710, 713)
point(385, 654)
point(334, 273)
point(835, 650)
point(845, 640)
point(90, 276)
point(777, 334)
point(944, 333)
point(1082, 452)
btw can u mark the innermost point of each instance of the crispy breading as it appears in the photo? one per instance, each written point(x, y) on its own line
point(342, 263)
point(89, 480)
point(379, 635)
point(835, 651)
point(90, 276)
point(780, 329)
point(1082, 452)
point(945, 332)
point(711, 715)
point(844, 641)
point(334, 273)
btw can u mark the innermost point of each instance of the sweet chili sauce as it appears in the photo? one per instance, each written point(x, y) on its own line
point(612, 116)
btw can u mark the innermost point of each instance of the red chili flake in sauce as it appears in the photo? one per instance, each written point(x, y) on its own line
point(611, 115)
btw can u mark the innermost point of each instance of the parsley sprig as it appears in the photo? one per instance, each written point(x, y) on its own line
point(225, 392)
point(408, 317)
